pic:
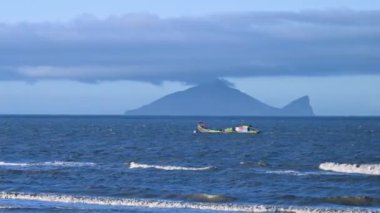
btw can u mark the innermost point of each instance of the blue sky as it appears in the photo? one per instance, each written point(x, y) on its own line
point(45, 10)
point(104, 57)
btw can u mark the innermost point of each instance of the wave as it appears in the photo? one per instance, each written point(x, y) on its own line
point(134, 165)
point(164, 204)
point(295, 173)
point(209, 198)
point(287, 172)
point(353, 200)
point(368, 169)
point(47, 164)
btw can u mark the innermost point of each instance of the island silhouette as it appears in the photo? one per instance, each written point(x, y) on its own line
point(219, 98)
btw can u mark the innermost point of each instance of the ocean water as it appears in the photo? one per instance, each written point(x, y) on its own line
point(157, 164)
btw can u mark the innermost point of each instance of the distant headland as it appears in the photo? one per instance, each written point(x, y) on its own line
point(218, 98)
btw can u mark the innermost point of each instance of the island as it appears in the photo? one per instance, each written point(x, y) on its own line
point(219, 98)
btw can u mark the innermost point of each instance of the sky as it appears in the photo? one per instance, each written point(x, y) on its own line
point(106, 57)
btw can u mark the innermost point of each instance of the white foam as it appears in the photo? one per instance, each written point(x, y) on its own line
point(49, 164)
point(163, 204)
point(68, 164)
point(134, 165)
point(368, 169)
point(13, 164)
point(296, 173)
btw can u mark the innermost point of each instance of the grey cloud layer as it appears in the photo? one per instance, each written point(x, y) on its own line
point(192, 49)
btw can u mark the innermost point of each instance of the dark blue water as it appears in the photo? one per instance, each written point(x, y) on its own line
point(89, 158)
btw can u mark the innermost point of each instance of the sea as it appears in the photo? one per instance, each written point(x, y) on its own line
point(158, 164)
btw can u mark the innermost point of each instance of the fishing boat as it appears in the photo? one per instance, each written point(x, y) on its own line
point(244, 129)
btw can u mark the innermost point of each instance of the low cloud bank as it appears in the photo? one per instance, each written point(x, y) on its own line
point(148, 48)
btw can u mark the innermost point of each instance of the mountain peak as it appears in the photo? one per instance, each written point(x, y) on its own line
point(300, 106)
point(217, 83)
point(304, 98)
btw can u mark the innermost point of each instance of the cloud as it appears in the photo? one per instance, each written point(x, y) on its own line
point(146, 47)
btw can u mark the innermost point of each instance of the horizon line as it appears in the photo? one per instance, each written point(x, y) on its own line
point(123, 115)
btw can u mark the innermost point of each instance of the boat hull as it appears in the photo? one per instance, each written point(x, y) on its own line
point(226, 131)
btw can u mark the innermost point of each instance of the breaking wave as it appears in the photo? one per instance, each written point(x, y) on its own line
point(164, 204)
point(47, 164)
point(368, 169)
point(134, 165)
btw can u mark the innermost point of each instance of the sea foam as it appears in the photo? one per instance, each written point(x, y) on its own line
point(134, 165)
point(294, 172)
point(164, 204)
point(368, 169)
point(47, 164)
